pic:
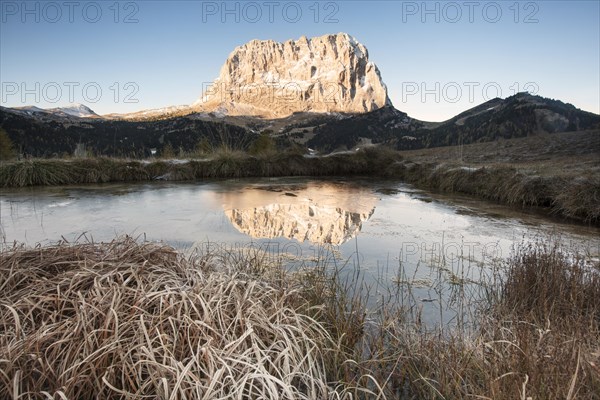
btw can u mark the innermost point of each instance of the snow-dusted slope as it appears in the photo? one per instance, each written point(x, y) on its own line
point(75, 110)
point(31, 109)
point(72, 110)
point(171, 111)
point(81, 111)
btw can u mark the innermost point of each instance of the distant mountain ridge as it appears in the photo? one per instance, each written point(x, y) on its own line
point(516, 116)
point(72, 110)
point(42, 133)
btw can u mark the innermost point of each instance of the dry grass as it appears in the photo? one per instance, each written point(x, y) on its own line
point(558, 171)
point(537, 337)
point(576, 196)
point(545, 326)
point(553, 152)
point(224, 163)
point(129, 320)
point(133, 321)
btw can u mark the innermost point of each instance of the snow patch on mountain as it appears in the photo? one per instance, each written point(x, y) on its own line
point(75, 110)
point(72, 110)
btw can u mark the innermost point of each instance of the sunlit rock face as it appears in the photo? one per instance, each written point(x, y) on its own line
point(330, 73)
point(320, 215)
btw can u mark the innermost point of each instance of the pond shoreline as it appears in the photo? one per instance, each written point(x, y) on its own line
point(569, 197)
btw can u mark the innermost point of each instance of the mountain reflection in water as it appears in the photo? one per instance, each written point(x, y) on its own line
point(321, 213)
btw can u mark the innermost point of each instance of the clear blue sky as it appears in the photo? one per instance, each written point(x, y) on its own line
point(435, 57)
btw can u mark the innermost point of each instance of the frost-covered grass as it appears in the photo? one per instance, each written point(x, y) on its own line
point(129, 320)
point(138, 320)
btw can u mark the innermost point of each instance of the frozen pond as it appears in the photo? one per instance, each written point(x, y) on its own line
point(387, 230)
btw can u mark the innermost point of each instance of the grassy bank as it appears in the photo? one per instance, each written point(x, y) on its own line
point(129, 320)
point(575, 197)
point(560, 172)
point(563, 176)
point(231, 164)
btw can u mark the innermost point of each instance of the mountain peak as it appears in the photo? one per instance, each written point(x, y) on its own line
point(75, 110)
point(71, 110)
point(329, 73)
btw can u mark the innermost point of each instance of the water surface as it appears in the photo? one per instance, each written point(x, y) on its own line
point(388, 231)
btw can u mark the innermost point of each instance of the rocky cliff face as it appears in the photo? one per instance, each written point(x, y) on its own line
point(331, 73)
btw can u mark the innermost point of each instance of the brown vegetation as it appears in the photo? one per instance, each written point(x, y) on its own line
point(124, 320)
point(558, 171)
point(129, 320)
